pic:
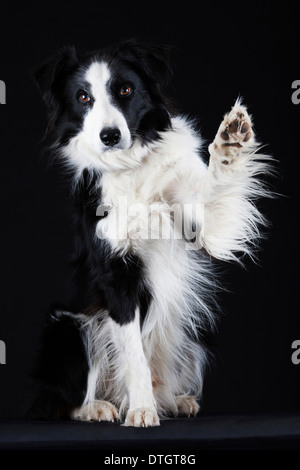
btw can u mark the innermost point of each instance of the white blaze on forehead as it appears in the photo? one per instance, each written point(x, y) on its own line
point(103, 112)
point(98, 76)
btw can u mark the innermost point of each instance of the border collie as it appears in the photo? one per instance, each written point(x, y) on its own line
point(150, 216)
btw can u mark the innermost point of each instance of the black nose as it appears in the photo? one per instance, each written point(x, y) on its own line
point(110, 136)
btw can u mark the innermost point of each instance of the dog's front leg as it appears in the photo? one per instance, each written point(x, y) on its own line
point(135, 371)
point(231, 222)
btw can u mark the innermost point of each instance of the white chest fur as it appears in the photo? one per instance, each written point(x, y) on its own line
point(140, 199)
point(138, 208)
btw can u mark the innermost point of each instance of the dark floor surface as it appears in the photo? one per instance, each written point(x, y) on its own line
point(263, 431)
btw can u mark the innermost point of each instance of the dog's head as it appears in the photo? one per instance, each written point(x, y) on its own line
point(105, 108)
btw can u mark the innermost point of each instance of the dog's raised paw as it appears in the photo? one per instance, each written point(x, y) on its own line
point(98, 410)
point(142, 418)
point(235, 134)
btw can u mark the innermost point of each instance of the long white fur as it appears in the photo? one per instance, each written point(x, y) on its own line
point(161, 174)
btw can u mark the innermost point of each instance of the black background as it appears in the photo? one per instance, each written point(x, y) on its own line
point(221, 50)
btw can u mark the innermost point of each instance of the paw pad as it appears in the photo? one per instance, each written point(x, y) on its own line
point(234, 134)
point(237, 131)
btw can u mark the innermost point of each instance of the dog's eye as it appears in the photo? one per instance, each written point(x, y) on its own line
point(126, 90)
point(83, 97)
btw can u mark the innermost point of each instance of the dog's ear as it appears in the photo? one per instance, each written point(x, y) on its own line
point(152, 60)
point(50, 74)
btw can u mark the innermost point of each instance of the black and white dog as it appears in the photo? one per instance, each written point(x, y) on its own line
point(150, 216)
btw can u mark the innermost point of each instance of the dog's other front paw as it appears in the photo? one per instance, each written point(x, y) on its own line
point(98, 410)
point(142, 418)
point(234, 136)
point(187, 405)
